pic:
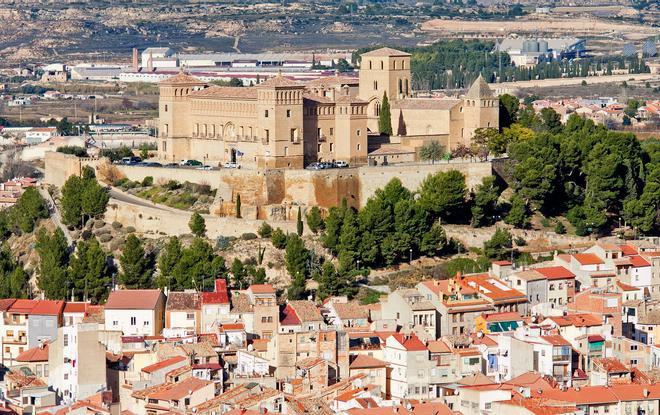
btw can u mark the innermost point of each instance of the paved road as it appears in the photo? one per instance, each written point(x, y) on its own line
point(55, 214)
point(134, 200)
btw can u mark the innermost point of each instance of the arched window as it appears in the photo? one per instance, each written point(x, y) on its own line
point(400, 87)
point(370, 65)
point(382, 65)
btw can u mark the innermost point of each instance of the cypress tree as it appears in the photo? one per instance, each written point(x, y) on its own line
point(299, 223)
point(385, 118)
point(238, 206)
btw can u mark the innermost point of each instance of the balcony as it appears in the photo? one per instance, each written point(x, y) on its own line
point(561, 358)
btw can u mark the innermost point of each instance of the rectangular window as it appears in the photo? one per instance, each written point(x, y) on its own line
point(66, 340)
point(133, 321)
point(190, 316)
point(266, 114)
point(332, 131)
point(288, 113)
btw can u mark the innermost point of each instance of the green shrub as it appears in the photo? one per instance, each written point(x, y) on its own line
point(116, 225)
point(99, 223)
point(130, 229)
point(172, 185)
point(265, 230)
point(147, 181)
point(278, 239)
point(560, 228)
point(248, 236)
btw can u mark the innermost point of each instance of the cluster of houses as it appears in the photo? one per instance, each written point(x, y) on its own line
point(606, 111)
point(574, 335)
point(12, 190)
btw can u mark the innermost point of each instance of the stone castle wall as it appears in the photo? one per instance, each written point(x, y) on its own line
point(261, 189)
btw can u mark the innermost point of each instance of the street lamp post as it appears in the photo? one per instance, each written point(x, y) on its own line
point(410, 259)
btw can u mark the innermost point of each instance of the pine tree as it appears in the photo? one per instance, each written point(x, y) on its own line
point(89, 271)
point(385, 117)
point(239, 274)
point(314, 220)
point(168, 260)
point(299, 223)
point(136, 266)
point(197, 225)
point(54, 258)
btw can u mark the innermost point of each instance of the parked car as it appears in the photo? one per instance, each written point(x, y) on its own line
point(205, 167)
point(190, 163)
point(314, 166)
point(130, 161)
point(232, 165)
point(152, 164)
point(327, 165)
point(171, 165)
point(341, 164)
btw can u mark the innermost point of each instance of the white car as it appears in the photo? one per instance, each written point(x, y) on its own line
point(341, 164)
point(232, 165)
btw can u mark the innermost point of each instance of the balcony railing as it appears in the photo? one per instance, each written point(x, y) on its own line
point(560, 357)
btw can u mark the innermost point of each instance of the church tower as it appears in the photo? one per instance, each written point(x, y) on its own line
point(481, 109)
point(383, 71)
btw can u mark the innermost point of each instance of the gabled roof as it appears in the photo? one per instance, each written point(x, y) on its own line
point(306, 311)
point(610, 365)
point(183, 301)
point(48, 308)
point(289, 316)
point(180, 390)
point(6, 303)
point(133, 300)
point(363, 361)
point(479, 89)
point(588, 259)
point(163, 364)
point(76, 307)
point(577, 320)
point(476, 379)
point(504, 316)
point(35, 354)
point(411, 342)
point(385, 52)
point(23, 306)
point(262, 289)
point(556, 340)
point(555, 273)
point(351, 310)
point(638, 262)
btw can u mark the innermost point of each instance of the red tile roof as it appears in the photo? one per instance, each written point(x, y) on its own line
point(588, 259)
point(626, 287)
point(289, 317)
point(76, 307)
point(602, 394)
point(35, 354)
point(502, 263)
point(411, 342)
point(504, 316)
point(556, 340)
point(628, 249)
point(610, 365)
point(6, 303)
point(48, 308)
point(163, 364)
point(363, 361)
point(555, 273)
point(262, 289)
point(577, 320)
point(23, 306)
point(133, 300)
point(181, 389)
point(220, 296)
point(639, 262)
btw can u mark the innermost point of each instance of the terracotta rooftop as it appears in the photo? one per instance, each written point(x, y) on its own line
point(610, 365)
point(76, 307)
point(411, 342)
point(555, 273)
point(306, 311)
point(35, 354)
point(226, 92)
point(280, 81)
point(163, 364)
point(577, 320)
point(493, 288)
point(556, 340)
point(638, 262)
point(385, 52)
point(181, 79)
point(363, 361)
point(588, 259)
point(289, 316)
point(505, 316)
point(6, 303)
point(23, 306)
point(425, 103)
point(133, 300)
point(183, 301)
point(351, 310)
point(438, 346)
point(180, 389)
point(628, 249)
point(476, 379)
point(591, 395)
point(262, 289)
point(332, 81)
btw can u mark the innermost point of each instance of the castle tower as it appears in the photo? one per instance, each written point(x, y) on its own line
point(173, 112)
point(280, 117)
point(481, 109)
point(383, 71)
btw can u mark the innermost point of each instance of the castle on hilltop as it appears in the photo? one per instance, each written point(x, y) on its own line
point(281, 123)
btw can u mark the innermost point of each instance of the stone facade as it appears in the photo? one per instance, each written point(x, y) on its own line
point(281, 123)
